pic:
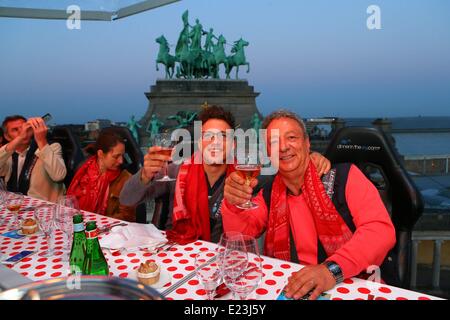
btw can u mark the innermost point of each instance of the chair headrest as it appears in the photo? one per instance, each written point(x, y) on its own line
point(371, 147)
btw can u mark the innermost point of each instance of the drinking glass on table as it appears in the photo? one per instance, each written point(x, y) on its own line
point(3, 195)
point(208, 272)
point(245, 273)
point(45, 217)
point(248, 168)
point(233, 260)
point(69, 201)
point(66, 208)
point(228, 240)
point(14, 201)
point(164, 140)
point(2, 188)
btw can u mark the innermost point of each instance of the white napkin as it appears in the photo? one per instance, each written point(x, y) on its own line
point(133, 237)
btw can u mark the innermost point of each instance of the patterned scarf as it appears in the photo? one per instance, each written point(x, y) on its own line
point(331, 229)
point(190, 217)
point(91, 187)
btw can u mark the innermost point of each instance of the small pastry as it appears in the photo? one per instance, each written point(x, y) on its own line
point(29, 226)
point(148, 273)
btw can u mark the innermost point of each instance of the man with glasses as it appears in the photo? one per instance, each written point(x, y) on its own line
point(192, 203)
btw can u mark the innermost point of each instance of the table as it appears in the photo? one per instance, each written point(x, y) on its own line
point(179, 262)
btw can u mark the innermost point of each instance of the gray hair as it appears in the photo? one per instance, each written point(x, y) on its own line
point(283, 113)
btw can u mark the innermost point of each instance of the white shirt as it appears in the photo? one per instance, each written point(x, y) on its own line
point(20, 162)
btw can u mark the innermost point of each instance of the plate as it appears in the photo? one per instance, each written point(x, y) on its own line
point(164, 278)
point(89, 288)
point(37, 233)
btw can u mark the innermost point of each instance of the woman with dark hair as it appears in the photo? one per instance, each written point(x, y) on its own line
point(98, 182)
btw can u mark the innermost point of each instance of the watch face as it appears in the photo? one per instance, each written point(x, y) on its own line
point(335, 271)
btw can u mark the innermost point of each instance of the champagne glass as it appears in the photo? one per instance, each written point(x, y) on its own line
point(44, 216)
point(209, 274)
point(248, 168)
point(14, 202)
point(164, 140)
point(250, 277)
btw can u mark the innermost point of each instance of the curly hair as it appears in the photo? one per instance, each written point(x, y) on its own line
point(216, 112)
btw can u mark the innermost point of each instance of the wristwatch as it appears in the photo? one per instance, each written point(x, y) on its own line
point(335, 270)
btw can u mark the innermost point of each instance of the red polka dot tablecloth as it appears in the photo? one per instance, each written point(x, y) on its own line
point(176, 263)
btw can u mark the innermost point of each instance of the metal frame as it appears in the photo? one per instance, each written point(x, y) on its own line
point(439, 237)
point(92, 15)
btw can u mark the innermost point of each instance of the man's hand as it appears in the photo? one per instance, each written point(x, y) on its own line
point(40, 131)
point(153, 163)
point(311, 278)
point(21, 139)
point(322, 164)
point(236, 191)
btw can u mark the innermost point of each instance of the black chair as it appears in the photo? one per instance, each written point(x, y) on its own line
point(161, 212)
point(72, 153)
point(133, 159)
point(372, 151)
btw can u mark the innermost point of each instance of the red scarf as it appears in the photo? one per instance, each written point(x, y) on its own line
point(190, 218)
point(91, 187)
point(331, 229)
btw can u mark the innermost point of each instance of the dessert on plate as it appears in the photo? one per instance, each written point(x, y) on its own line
point(29, 226)
point(148, 273)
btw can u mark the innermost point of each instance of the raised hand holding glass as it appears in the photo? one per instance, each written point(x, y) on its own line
point(164, 140)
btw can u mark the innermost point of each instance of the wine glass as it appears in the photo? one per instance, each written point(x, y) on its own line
point(228, 239)
point(244, 282)
point(209, 274)
point(164, 140)
point(248, 168)
point(234, 260)
point(66, 208)
point(45, 216)
point(14, 201)
point(69, 201)
point(3, 195)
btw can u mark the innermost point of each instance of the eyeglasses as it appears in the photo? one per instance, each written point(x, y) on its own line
point(209, 135)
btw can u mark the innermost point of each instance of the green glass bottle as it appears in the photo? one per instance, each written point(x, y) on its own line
point(95, 262)
point(78, 251)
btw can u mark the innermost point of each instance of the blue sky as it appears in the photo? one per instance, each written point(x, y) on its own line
point(315, 57)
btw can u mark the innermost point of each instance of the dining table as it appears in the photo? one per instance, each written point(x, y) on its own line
point(178, 280)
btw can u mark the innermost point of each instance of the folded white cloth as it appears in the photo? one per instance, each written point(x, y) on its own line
point(133, 236)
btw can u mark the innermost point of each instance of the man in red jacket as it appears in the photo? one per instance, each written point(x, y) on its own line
point(300, 220)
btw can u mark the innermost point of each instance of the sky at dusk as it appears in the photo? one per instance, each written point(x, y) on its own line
point(315, 57)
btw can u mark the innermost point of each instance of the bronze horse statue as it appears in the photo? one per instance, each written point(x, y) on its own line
point(164, 57)
point(237, 59)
